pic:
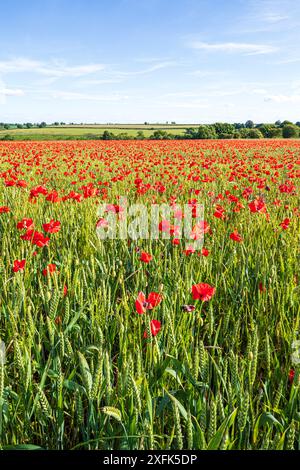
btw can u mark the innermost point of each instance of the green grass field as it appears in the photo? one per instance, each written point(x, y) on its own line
point(66, 132)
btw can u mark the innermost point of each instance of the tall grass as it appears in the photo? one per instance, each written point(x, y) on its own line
point(79, 373)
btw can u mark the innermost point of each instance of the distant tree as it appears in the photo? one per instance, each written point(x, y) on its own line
point(20, 126)
point(239, 125)
point(285, 123)
point(226, 136)
point(254, 134)
point(298, 123)
point(247, 133)
point(146, 123)
point(289, 131)
point(42, 124)
point(278, 123)
point(249, 124)
point(191, 133)
point(56, 123)
point(107, 135)
point(223, 128)
point(160, 135)
point(123, 136)
point(269, 131)
point(140, 135)
point(173, 123)
point(7, 137)
point(274, 132)
point(62, 123)
point(6, 126)
point(206, 132)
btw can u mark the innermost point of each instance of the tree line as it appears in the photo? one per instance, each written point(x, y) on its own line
point(219, 130)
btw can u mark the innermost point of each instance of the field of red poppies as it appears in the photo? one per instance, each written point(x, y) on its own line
point(150, 343)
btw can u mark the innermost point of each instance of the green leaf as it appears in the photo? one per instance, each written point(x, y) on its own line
point(23, 447)
point(215, 442)
point(180, 406)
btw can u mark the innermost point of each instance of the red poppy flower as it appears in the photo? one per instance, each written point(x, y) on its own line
point(164, 226)
point(65, 290)
point(51, 268)
point(291, 375)
point(285, 224)
point(199, 230)
point(258, 205)
point(4, 209)
point(114, 208)
point(190, 250)
point(19, 265)
point(261, 287)
point(101, 223)
point(236, 236)
point(154, 299)
point(155, 326)
point(204, 252)
point(145, 257)
point(22, 184)
point(25, 223)
point(36, 238)
point(142, 304)
point(52, 227)
point(53, 196)
point(219, 212)
point(203, 291)
point(39, 240)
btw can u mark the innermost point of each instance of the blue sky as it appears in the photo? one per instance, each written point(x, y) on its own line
point(150, 60)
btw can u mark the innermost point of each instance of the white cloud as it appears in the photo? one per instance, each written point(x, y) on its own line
point(73, 96)
point(63, 71)
point(18, 65)
point(272, 17)
point(55, 69)
point(258, 91)
point(103, 81)
point(153, 68)
point(11, 92)
point(283, 98)
point(231, 47)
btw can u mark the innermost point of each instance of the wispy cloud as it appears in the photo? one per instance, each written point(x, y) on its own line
point(54, 69)
point(153, 68)
point(57, 69)
point(272, 17)
point(217, 92)
point(291, 60)
point(11, 92)
point(268, 16)
point(73, 96)
point(95, 81)
point(283, 98)
point(234, 47)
